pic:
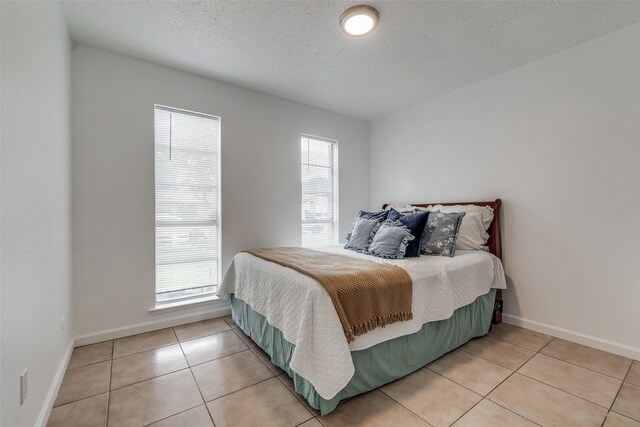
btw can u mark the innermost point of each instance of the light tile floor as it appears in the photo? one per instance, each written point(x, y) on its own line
point(210, 374)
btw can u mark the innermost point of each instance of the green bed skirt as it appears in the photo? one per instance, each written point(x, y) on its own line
point(381, 363)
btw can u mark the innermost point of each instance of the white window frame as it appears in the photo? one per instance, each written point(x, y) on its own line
point(336, 186)
point(207, 296)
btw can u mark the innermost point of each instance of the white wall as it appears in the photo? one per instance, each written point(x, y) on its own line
point(559, 141)
point(113, 175)
point(36, 206)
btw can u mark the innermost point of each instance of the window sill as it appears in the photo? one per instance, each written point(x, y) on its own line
point(182, 305)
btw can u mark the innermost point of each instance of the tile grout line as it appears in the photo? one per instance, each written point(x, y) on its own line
point(194, 379)
point(235, 331)
point(502, 366)
point(516, 370)
point(544, 354)
point(144, 351)
point(513, 412)
point(618, 393)
point(264, 363)
point(482, 397)
point(216, 358)
point(152, 378)
point(486, 397)
point(549, 385)
point(457, 383)
point(180, 412)
point(296, 396)
point(479, 357)
point(88, 364)
point(583, 367)
point(161, 346)
point(522, 346)
point(106, 419)
point(177, 413)
point(240, 389)
point(564, 391)
point(192, 376)
point(391, 397)
point(181, 369)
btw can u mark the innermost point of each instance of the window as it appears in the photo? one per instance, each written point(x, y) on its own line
point(187, 182)
point(319, 191)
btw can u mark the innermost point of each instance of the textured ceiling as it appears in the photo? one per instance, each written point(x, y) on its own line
point(295, 49)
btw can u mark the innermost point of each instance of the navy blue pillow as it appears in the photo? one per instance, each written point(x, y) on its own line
point(415, 223)
point(379, 215)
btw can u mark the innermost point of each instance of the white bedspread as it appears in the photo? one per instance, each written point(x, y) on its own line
point(300, 307)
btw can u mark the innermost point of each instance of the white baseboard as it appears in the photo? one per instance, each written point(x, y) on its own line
point(55, 386)
point(165, 322)
point(577, 337)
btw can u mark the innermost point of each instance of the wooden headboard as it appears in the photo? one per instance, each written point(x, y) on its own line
point(494, 243)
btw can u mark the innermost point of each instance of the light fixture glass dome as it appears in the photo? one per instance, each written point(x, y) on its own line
point(359, 20)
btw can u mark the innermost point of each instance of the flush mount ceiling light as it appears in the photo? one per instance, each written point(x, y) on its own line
point(359, 20)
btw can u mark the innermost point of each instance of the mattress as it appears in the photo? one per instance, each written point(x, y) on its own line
point(301, 309)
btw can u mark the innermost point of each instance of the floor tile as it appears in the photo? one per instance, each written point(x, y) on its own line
point(633, 376)
point(585, 383)
point(212, 347)
point(470, 371)
point(152, 400)
point(146, 365)
point(267, 360)
point(89, 354)
point(488, 414)
point(268, 403)
point(373, 409)
point(434, 398)
point(244, 337)
point(287, 381)
point(311, 423)
point(546, 405)
point(501, 353)
point(143, 342)
point(628, 401)
point(597, 360)
point(84, 382)
point(229, 321)
point(90, 412)
point(200, 329)
point(196, 417)
point(228, 374)
point(617, 420)
point(520, 336)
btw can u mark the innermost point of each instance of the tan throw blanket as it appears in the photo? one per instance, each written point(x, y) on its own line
point(366, 294)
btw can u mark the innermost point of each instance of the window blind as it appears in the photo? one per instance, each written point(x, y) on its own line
point(187, 205)
point(319, 191)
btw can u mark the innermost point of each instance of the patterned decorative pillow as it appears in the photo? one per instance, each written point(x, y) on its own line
point(441, 233)
point(473, 234)
point(391, 240)
point(417, 224)
point(362, 234)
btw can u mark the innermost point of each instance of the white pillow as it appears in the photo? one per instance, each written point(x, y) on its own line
point(473, 234)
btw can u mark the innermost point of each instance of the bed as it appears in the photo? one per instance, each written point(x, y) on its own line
point(290, 316)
